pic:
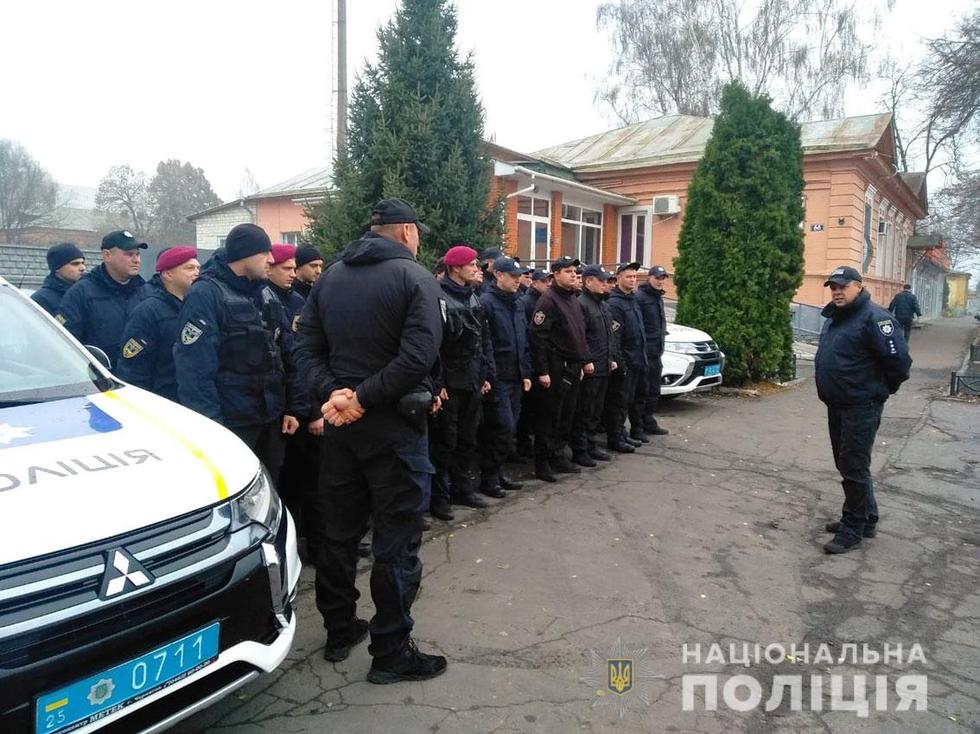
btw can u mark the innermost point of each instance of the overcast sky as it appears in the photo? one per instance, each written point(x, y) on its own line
point(227, 84)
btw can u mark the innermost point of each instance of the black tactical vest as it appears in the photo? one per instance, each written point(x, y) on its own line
point(462, 336)
point(249, 343)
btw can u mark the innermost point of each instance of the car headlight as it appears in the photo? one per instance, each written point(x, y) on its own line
point(682, 347)
point(259, 503)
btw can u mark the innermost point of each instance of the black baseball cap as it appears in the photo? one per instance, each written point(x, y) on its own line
point(539, 275)
point(658, 271)
point(396, 211)
point(508, 265)
point(123, 239)
point(628, 266)
point(596, 271)
point(843, 275)
point(491, 253)
point(564, 262)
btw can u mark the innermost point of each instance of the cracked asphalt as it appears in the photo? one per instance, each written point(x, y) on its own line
point(709, 535)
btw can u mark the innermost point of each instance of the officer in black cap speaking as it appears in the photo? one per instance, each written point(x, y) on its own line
point(366, 344)
point(96, 308)
point(559, 353)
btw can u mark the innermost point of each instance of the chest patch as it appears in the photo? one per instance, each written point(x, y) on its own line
point(131, 348)
point(296, 321)
point(539, 317)
point(60, 319)
point(190, 334)
point(886, 327)
point(616, 325)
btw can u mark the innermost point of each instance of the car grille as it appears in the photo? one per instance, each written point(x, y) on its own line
point(53, 590)
point(706, 350)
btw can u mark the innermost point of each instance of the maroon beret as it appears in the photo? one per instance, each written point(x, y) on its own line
point(175, 256)
point(281, 253)
point(459, 255)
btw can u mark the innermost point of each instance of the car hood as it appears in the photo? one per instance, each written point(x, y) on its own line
point(678, 333)
point(81, 470)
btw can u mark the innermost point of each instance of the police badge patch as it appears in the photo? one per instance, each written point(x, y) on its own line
point(615, 325)
point(886, 327)
point(190, 334)
point(539, 317)
point(444, 309)
point(131, 349)
point(296, 322)
point(60, 319)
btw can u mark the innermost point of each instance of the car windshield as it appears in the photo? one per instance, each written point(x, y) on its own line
point(37, 361)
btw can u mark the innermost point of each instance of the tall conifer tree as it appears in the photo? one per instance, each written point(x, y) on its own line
point(415, 131)
point(740, 257)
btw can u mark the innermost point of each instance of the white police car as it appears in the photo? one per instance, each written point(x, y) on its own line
point(147, 566)
point(691, 361)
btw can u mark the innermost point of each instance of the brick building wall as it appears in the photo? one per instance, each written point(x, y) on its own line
point(216, 225)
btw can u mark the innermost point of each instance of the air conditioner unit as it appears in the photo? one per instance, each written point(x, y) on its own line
point(666, 204)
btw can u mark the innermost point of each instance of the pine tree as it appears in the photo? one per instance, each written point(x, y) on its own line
point(740, 249)
point(415, 131)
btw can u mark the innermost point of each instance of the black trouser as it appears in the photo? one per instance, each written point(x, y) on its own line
point(852, 436)
point(298, 479)
point(555, 410)
point(525, 423)
point(454, 443)
point(267, 442)
point(588, 414)
point(619, 400)
point(649, 398)
point(906, 329)
point(501, 411)
point(386, 478)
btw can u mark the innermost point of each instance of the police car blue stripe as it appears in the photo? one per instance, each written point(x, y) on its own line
point(25, 425)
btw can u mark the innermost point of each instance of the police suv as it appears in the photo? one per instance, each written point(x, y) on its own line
point(147, 565)
point(691, 361)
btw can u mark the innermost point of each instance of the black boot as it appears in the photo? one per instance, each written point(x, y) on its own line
point(620, 446)
point(842, 543)
point(563, 466)
point(870, 531)
point(511, 485)
point(583, 459)
point(634, 442)
point(406, 664)
point(542, 470)
point(440, 509)
point(470, 499)
point(338, 646)
point(598, 454)
point(639, 436)
point(488, 486)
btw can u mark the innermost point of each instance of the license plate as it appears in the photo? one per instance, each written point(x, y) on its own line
point(712, 369)
point(104, 693)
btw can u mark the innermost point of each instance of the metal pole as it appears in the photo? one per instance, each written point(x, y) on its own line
point(341, 78)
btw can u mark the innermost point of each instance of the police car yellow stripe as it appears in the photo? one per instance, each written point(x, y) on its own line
point(219, 480)
point(55, 705)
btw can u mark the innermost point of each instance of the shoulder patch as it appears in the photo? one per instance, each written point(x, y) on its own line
point(616, 325)
point(60, 319)
point(539, 317)
point(131, 348)
point(444, 310)
point(296, 321)
point(190, 334)
point(886, 327)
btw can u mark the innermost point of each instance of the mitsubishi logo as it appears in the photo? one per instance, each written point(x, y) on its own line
point(123, 573)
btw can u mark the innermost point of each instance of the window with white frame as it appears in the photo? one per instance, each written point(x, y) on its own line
point(291, 238)
point(221, 241)
point(634, 235)
point(581, 233)
point(867, 246)
point(881, 246)
point(533, 229)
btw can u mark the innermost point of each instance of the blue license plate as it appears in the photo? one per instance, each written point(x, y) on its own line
point(103, 694)
point(712, 369)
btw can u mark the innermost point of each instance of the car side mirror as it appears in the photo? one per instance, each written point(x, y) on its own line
point(101, 356)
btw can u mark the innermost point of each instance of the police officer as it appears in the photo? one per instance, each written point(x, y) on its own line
point(282, 279)
point(539, 283)
point(230, 353)
point(512, 362)
point(66, 266)
point(367, 342)
point(861, 360)
point(487, 257)
point(309, 265)
point(466, 359)
point(96, 308)
point(905, 307)
point(627, 322)
point(650, 297)
point(603, 355)
point(147, 358)
point(559, 353)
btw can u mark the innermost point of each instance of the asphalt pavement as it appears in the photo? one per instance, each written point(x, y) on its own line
point(710, 536)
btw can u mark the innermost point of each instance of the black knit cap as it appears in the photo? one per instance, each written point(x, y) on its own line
point(246, 240)
point(63, 253)
point(306, 254)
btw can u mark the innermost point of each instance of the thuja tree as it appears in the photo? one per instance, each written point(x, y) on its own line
point(415, 131)
point(740, 250)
